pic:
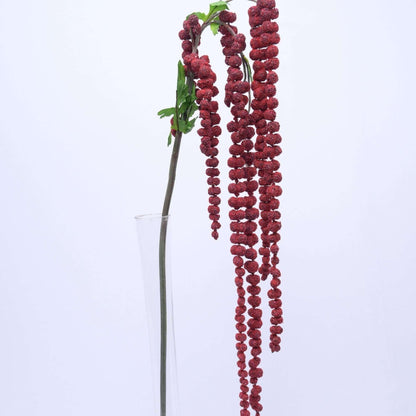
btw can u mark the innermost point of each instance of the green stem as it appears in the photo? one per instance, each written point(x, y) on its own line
point(162, 270)
point(162, 250)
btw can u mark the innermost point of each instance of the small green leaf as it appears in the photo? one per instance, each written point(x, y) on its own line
point(191, 111)
point(190, 124)
point(181, 72)
point(182, 126)
point(218, 6)
point(181, 88)
point(214, 28)
point(169, 139)
point(181, 94)
point(186, 126)
point(182, 108)
point(166, 112)
point(193, 94)
point(201, 16)
point(174, 124)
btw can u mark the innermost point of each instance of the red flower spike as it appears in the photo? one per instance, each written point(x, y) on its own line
point(252, 167)
point(264, 53)
point(242, 172)
point(205, 78)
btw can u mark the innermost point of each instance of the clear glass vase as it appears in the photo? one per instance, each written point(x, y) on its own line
point(155, 271)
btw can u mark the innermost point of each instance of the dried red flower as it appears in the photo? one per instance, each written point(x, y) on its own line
point(253, 167)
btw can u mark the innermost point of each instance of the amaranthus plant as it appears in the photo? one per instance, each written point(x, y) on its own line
point(253, 170)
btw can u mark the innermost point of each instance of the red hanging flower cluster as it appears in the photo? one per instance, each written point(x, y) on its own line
point(254, 170)
point(264, 54)
point(243, 213)
point(200, 70)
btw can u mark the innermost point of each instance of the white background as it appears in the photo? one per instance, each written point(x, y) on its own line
point(82, 151)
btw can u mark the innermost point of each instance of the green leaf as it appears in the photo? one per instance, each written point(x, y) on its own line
point(218, 6)
point(214, 27)
point(181, 88)
point(166, 112)
point(181, 72)
point(201, 16)
point(193, 107)
point(182, 126)
point(181, 94)
point(174, 124)
point(183, 107)
point(193, 94)
point(187, 126)
point(191, 124)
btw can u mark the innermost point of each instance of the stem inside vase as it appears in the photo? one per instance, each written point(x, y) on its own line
point(159, 310)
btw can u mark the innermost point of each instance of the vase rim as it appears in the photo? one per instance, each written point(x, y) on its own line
point(150, 216)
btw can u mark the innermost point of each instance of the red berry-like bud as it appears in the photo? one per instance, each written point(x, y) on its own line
point(234, 61)
point(204, 93)
point(260, 75)
point(272, 103)
point(227, 40)
point(260, 93)
point(204, 71)
point(269, 114)
point(252, 214)
point(271, 64)
point(216, 131)
point(275, 13)
point(266, 14)
point(234, 74)
point(238, 261)
point(251, 253)
point(270, 4)
point(214, 190)
point(255, 20)
point(253, 312)
point(271, 52)
point(238, 250)
point(184, 35)
point(213, 181)
point(254, 362)
point(187, 46)
point(255, 372)
point(257, 54)
point(270, 27)
point(254, 301)
point(253, 11)
point(187, 60)
point(251, 266)
point(255, 42)
point(242, 87)
point(227, 17)
point(269, 90)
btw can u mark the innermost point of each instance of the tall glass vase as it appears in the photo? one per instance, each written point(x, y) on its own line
point(155, 273)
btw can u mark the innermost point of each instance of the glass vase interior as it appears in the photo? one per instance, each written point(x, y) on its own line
point(158, 297)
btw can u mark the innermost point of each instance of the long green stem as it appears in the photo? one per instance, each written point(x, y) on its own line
point(162, 270)
point(162, 245)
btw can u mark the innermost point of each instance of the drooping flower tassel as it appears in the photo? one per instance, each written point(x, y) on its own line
point(243, 212)
point(210, 130)
point(264, 53)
